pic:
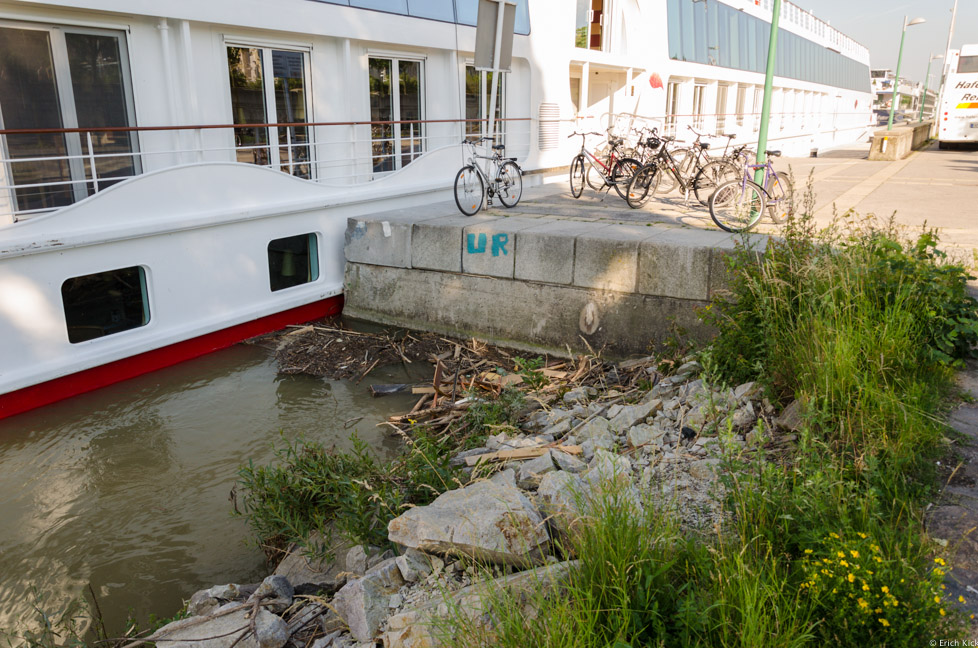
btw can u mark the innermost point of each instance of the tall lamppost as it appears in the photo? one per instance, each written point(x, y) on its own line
point(896, 81)
point(923, 98)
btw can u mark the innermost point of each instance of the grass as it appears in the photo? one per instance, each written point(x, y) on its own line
point(864, 328)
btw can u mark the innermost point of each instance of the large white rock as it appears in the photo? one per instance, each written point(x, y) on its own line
point(632, 414)
point(214, 631)
point(485, 520)
point(363, 603)
point(533, 470)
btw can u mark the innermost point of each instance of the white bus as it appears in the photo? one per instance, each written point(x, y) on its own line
point(959, 107)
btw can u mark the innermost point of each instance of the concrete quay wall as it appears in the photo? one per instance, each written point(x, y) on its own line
point(541, 284)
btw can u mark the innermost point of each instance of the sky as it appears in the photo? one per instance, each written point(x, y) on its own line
point(877, 24)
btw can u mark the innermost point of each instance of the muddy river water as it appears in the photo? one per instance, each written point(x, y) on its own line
point(126, 489)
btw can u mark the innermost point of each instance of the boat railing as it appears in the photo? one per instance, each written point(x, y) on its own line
point(44, 169)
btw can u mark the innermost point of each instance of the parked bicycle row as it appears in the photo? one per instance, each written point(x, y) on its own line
point(658, 165)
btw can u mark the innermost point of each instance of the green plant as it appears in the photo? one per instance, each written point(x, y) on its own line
point(485, 415)
point(529, 368)
point(312, 488)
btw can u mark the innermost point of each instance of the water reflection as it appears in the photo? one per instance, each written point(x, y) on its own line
point(127, 488)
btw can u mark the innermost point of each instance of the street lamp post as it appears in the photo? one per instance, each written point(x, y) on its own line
point(896, 81)
point(923, 99)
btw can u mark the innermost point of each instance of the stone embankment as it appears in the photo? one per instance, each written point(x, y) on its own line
point(502, 531)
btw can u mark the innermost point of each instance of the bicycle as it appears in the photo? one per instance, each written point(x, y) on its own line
point(473, 186)
point(737, 205)
point(615, 173)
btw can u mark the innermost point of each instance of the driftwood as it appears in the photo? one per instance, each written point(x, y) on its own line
point(519, 453)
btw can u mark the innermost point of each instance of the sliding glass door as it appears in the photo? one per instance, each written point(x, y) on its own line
point(396, 96)
point(59, 77)
point(266, 81)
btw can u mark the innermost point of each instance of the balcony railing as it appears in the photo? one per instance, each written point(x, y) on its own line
point(64, 165)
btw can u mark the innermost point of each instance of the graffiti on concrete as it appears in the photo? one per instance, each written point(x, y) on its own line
point(476, 244)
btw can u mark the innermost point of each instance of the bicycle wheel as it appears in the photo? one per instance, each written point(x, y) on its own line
point(577, 176)
point(622, 174)
point(667, 183)
point(469, 190)
point(593, 178)
point(711, 176)
point(736, 206)
point(780, 197)
point(509, 184)
point(643, 185)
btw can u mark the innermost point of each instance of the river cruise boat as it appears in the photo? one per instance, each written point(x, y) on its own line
point(175, 177)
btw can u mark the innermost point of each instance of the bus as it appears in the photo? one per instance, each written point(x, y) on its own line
point(959, 106)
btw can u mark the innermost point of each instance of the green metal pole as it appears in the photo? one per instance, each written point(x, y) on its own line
point(923, 97)
point(768, 91)
point(896, 81)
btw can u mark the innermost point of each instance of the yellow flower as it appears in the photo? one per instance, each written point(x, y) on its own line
point(840, 554)
point(834, 535)
point(886, 590)
point(865, 587)
point(940, 561)
point(808, 551)
point(863, 535)
point(943, 612)
point(937, 599)
point(851, 578)
point(843, 563)
point(961, 599)
point(886, 624)
point(878, 610)
point(855, 554)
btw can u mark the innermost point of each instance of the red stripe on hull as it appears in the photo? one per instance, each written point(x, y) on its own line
point(88, 380)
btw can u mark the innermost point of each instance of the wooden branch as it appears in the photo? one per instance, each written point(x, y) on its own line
point(520, 453)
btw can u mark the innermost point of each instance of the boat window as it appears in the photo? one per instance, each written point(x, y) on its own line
point(293, 261)
point(589, 24)
point(462, 12)
point(105, 303)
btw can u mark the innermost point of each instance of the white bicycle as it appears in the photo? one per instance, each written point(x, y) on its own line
point(475, 186)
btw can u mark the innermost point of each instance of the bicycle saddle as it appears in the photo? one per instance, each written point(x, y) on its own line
point(498, 147)
point(704, 145)
point(773, 153)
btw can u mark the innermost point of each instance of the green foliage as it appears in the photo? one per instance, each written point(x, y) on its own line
point(528, 369)
point(313, 488)
point(485, 416)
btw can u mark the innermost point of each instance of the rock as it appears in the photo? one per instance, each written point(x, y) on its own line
point(596, 427)
point(614, 410)
point(568, 462)
point(395, 601)
point(690, 368)
point(363, 603)
point(558, 429)
point(632, 414)
point(275, 593)
point(413, 565)
point(747, 391)
point(424, 626)
point(608, 467)
point(589, 447)
point(208, 600)
point(640, 435)
point(576, 395)
point(704, 470)
point(270, 630)
point(692, 390)
point(459, 459)
point(356, 560)
point(377, 558)
point(561, 496)
point(533, 470)
point(302, 567)
point(790, 418)
point(506, 477)
point(485, 520)
point(744, 418)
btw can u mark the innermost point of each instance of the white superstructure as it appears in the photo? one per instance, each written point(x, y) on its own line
point(121, 120)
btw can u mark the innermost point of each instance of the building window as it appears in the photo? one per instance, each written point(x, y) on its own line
point(741, 104)
point(722, 90)
point(672, 106)
point(64, 77)
point(478, 93)
point(397, 96)
point(265, 82)
point(699, 91)
point(293, 261)
point(590, 24)
point(105, 303)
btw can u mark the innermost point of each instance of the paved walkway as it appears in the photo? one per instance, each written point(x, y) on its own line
point(939, 188)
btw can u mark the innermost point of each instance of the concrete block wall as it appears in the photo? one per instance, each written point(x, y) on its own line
point(535, 283)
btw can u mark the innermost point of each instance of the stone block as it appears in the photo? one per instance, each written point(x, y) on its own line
point(676, 263)
point(490, 248)
point(719, 275)
point(437, 244)
point(379, 242)
point(546, 252)
point(606, 257)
